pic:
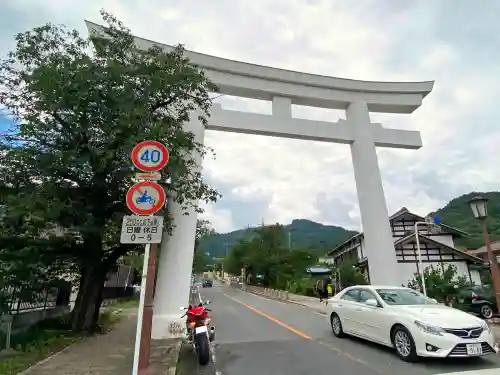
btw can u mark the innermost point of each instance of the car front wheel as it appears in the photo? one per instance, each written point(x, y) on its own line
point(336, 326)
point(404, 344)
point(486, 312)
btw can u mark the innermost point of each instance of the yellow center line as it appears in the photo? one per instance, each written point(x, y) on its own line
point(272, 319)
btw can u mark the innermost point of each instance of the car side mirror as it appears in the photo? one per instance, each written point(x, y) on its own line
point(371, 302)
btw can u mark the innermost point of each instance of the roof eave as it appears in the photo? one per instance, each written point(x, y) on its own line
point(331, 252)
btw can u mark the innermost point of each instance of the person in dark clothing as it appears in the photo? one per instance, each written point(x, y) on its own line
point(322, 289)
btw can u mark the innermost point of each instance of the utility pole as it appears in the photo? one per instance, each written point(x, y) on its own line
point(289, 241)
point(225, 256)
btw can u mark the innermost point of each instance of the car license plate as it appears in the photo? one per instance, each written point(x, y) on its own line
point(474, 349)
point(201, 329)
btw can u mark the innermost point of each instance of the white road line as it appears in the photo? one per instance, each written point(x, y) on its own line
point(488, 371)
point(199, 296)
point(283, 302)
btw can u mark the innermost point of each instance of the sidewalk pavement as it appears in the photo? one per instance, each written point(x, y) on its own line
point(108, 354)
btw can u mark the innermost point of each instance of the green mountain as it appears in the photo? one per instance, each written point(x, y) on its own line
point(457, 213)
point(309, 234)
point(303, 234)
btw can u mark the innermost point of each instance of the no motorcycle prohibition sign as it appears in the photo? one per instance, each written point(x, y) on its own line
point(149, 156)
point(145, 198)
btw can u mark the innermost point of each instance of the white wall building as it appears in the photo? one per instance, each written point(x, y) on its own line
point(437, 248)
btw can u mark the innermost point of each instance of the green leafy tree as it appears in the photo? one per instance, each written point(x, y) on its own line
point(443, 284)
point(349, 275)
point(28, 268)
point(265, 253)
point(237, 257)
point(79, 115)
point(200, 259)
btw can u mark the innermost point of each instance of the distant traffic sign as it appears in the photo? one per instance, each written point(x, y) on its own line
point(149, 156)
point(145, 198)
point(141, 230)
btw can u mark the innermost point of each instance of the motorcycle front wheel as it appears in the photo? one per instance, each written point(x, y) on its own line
point(202, 348)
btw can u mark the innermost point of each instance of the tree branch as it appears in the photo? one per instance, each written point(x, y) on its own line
point(116, 252)
point(161, 104)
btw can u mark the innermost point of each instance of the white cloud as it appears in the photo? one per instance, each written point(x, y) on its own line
point(366, 39)
point(220, 219)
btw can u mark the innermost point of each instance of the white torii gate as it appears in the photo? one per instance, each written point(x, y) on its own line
point(284, 88)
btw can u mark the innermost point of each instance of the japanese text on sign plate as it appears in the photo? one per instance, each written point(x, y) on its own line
point(142, 222)
point(137, 229)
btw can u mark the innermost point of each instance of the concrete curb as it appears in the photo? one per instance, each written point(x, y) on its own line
point(176, 354)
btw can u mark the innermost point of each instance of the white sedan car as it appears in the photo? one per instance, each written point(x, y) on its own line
point(402, 318)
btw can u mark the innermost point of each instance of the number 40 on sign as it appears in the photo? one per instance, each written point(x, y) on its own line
point(150, 156)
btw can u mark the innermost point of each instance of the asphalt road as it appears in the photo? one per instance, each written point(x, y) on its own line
point(255, 335)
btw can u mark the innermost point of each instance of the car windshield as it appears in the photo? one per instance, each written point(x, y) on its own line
point(404, 297)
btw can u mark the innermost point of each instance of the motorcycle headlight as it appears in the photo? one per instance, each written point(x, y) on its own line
point(427, 328)
point(192, 324)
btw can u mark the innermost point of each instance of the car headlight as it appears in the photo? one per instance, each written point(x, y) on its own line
point(485, 326)
point(433, 330)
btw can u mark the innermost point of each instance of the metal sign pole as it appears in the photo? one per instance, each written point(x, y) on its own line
point(147, 315)
point(145, 198)
point(140, 312)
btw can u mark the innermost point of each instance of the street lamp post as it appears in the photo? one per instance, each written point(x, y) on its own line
point(479, 208)
point(429, 221)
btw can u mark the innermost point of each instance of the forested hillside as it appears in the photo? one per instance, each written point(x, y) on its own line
point(457, 213)
point(304, 234)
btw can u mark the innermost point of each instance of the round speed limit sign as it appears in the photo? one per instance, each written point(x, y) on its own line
point(149, 156)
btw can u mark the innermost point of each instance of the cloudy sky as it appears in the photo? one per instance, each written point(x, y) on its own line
point(454, 42)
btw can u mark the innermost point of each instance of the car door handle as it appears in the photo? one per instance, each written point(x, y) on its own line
point(359, 309)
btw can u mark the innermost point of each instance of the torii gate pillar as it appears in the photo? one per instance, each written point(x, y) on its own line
point(379, 242)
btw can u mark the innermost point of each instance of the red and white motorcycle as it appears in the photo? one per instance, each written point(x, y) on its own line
point(200, 334)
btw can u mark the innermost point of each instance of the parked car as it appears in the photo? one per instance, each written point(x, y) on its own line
point(478, 300)
point(411, 323)
point(207, 283)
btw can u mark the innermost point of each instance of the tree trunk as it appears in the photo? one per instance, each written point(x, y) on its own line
point(89, 298)
point(98, 305)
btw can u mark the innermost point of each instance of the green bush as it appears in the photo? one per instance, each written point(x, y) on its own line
point(36, 343)
point(45, 338)
point(441, 283)
point(301, 286)
point(348, 275)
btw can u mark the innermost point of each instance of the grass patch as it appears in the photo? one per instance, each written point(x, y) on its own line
point(107, 320)
point(35, 344)
point(126, 303)
point(46, 338)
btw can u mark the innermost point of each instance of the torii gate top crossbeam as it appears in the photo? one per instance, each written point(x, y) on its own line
point(262, 82)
